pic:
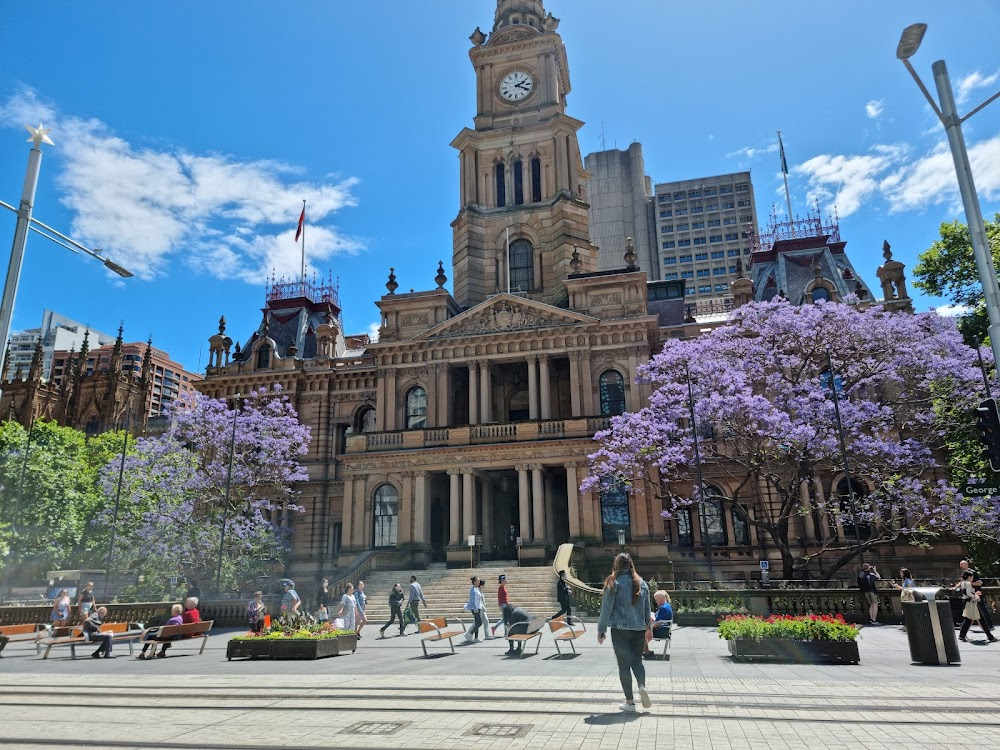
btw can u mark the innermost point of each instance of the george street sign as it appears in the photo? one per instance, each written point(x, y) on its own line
point(981, 488)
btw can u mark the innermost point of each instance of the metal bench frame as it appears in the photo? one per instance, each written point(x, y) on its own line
point(569, 634)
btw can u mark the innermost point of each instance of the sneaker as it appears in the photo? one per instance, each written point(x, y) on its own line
point(627, 707)
point(493, 630)
point(468, 638)
point(646, 702)
point(97, 654)
point(963, 638)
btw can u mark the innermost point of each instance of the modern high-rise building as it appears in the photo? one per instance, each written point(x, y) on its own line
point(55, 332)
point(621, 206)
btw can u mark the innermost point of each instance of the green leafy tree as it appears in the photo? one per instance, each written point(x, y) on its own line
point(948, 269)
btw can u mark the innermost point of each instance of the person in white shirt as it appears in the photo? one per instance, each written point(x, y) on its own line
point(475, 606)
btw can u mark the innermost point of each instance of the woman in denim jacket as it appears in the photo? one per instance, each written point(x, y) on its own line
point(625, 609)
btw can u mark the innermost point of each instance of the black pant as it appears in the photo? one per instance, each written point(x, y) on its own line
point(567, 609)
point(628, 645)
point(105, 641)
point(985, 618)
point(474, 628)
point(518, 628)
point(395, 612)
point(3, 642)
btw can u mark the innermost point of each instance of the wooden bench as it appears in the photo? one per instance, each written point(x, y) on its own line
point(534, 631)
point(663, 637)
point(30, 632)
point(568, 634)
point(437, 627)
point(129, 632)
point(174, 634)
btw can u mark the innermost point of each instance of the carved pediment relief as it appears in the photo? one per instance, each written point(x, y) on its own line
point(513, 34)
point(505, 313)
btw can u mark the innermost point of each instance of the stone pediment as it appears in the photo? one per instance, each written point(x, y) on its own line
point(503, 313)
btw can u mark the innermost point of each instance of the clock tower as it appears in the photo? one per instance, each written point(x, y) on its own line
point(522, 179)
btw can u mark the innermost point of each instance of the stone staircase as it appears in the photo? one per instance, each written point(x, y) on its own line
point(447, 590)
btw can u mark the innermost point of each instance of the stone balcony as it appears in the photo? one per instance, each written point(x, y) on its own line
point(479, 434)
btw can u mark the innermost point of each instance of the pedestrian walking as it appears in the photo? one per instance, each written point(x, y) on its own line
point(361, 600)
point(484, 618)
point(906, 578)
point(415, 600)
point(92, 632)
point(625, 609)
point(475, 606)
point(193, 590)
point(985, 616)
point(60, 609)
point(396, 597)
point(971, 612)
point(85, 601)
point(291, 601)
point(323, 601)
point(564, 595)
point(503, 599)
point(348, 608)
point(868, 580)
point(256, 609)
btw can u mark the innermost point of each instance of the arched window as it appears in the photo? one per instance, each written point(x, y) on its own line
point(522, 266)
point(741, 529)
point(264, 357)
point(614, 511)
point(501, 180)
point(684, 536)
point(518, 183)
point(847, 509)
point(416, 409)
point(713, 524)
point(536, 180)
point(518, 410)
point(386, 516)
point(612, 388)
point(364, 420)
point(820, 293)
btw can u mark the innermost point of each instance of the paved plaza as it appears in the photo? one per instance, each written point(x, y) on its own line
point(386, 695)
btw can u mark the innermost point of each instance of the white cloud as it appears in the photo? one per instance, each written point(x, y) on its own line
point(874, 108)
point(847, 181)
point(952, 311)
point(973, 81)
point(749, 152)
point(373, 329)
point(149, 209)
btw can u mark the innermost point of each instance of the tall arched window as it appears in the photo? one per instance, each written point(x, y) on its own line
point(518, 183)
point(614, 511)
point(847, 508)
point(386, 515)
point(713, 524)
point(501, 181)
point(612, 388)
point(536, 180)
point(741, 529)
point(522, 266)
point(416, 409)
point(518, 411)
point(684, 536)
point(364, 420)
point(264, 357)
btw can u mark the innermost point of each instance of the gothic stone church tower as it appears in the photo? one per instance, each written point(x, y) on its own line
point(521, 174)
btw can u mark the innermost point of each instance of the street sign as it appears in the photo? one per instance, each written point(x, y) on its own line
point(981, 487)
point(765, 565)
point(479, 540)
point(519, 541)
point(472, 540)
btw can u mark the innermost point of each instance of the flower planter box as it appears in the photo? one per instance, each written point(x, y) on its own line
point(698, 619)
point(806, 652)
point(292, 648)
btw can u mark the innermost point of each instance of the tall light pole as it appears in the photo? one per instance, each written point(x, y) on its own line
point(909, 42)
point(118, 497)
point(225, 506)
point(702, 518)
point(843, 457)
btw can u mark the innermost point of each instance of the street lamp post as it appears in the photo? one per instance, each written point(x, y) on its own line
point(118, 497)
point(225, 506)
point(702, 519)
point(843, 456)
point(909, 42)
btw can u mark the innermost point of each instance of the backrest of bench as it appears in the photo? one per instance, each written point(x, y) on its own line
point(188, 628)
point(428, 624)
point(18, 629)
point(535, 625)
point(557, 624)
point(115, 627)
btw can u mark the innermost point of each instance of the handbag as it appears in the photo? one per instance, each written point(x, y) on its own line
point(323, 615)
point(971, 610)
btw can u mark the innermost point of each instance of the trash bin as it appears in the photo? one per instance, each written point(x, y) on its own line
point(929, 627)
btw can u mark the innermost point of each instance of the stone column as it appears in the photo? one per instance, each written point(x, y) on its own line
point(468, 504)
point(523, 502)
point(550, 526)
point(442, 396)
point(421, 513)
point(391, 402)
point(347, 526)
point(573, 501)
point(404, 535)
point(533, 387)
point(487, 514)
point(639, 517)
point(485, 392)
point(455, 504)
point(538, 504)
point(587, 386)
point(473, 393)
point(574, 384)
point(545, 387)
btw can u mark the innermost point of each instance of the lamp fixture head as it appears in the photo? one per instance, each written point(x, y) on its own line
point(910, 40)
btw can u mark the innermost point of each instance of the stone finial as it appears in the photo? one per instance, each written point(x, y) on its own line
point(265, 326)
point(440, 279)
point(739, 269)
point(886, 250)
point(222, 324)
point(478, 37)
point(575, 262)
point(551, 23)
point(817, 269)
point(630, 256)
point(391, 284)
point(237, 352)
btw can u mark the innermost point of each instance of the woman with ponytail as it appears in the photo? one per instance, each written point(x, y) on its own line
point(625, 609)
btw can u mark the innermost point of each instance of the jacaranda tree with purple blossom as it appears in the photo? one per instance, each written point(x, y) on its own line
point(765, 410)
point(174, 491)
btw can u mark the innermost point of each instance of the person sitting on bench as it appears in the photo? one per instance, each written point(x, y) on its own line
point(92, 632)
point(517, 619)
point(175, 619)
point(662, 621)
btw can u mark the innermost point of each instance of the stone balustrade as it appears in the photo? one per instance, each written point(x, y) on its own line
point(502, 432)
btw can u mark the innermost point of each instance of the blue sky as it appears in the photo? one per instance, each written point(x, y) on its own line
point(187, 135)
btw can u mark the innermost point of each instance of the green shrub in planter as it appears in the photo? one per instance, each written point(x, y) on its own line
point(788, 627)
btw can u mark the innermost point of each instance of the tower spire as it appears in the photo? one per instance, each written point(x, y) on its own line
point(528, 12)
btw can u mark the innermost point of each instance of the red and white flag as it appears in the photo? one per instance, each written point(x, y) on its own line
point(302, 221)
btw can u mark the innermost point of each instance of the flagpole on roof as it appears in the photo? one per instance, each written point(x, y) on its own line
point(784, 173)
point(508, 260)
point(304, 246)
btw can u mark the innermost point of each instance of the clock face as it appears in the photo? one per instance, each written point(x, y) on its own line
point(516, 86)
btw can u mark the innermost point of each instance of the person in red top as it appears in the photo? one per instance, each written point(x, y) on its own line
point(503, 601)
point(190, 613)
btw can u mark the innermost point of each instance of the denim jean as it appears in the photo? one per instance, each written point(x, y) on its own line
point(628, 646)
